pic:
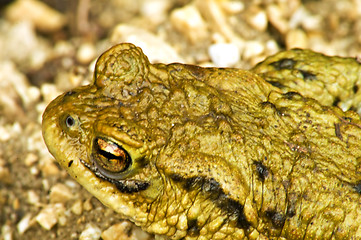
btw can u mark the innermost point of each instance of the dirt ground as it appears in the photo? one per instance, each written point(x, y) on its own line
point(50, 46)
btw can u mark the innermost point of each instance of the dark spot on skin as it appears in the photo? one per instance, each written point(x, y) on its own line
point(131, 186)
point(276, 84)
point(196, 71)
point(70, 163)
point(338, 131)
point(193, 228)
point(268, 104)
point(336, 101)
point(69, 93)
point(212, 190)
point(261, 170)
point(285, 63)
point(357, 187)
point(355, 89)
point(278, 219)
point(307, 75)
point(291, 95)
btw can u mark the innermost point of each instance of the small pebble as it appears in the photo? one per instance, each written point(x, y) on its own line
point(296, 38)
point(49, 92)
point(156, 49)
point(232, 7)
point(253, 49)
point(258, 20)
point(91, 232)
point(155, 10)
point(224, 54)
point(49, 169)
point(86, 53)
point(60, 193)
point(33, 198)
point(189, 22)
point(24, 223)
point(41, 15)
point(30, 159)
point(88, 205)
point(49, 215)
point(125, 231)
point(77, 207)
point(276, 18)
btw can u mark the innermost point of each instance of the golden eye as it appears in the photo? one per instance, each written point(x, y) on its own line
point(110, 158)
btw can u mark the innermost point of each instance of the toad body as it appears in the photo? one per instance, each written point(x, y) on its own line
point(188, 152)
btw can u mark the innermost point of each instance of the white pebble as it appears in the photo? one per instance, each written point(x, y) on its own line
point(91, 232)
point(224, 54)
point(258, 20)
point(60, 193)
point(24, 223)
point(46, 218)
point(253, 49)
point(38, 13)
point(153, 46)
point(86, 53)
point(189, 22)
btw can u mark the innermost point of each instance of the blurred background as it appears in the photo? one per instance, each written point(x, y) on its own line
point(50, 46)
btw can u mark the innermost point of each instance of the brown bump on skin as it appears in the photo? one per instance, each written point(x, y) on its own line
point(285, 63)
point(338, 131)
point(193, 228)
point(261, 170)
point(357, 187)
point(308, 75)
point(355, 89)
point(277, 84)
point(278, 219)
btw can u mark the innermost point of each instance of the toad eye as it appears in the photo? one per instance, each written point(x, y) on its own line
point(110, 159)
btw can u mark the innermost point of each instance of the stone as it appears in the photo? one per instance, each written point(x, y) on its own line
point(224, 54)
point(41, 15)
point(189, 22)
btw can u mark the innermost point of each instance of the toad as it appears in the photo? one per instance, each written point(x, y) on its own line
point(188, 152)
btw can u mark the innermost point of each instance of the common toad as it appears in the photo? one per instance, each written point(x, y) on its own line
point(188, 152)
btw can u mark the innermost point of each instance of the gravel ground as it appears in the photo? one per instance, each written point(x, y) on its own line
point(50, 46)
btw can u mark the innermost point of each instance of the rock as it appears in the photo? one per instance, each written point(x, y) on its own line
point(21, 45)
point(60, 193)
point(88, 205)
point(224, 54)
point(155, 11)
point(33, 198)
point(125, 231)
point(258, 19)
point(91, 232)
point(50, 215)
point(38, 13)
point(189, 22)
point(30, 159)
point(25, 223)
point(77, 207)
point(253, 49)
point(276, 18)
point(153, 46)
point(296, 38)
point(86, 53)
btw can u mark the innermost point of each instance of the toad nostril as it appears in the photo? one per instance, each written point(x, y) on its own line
point(69, 121)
